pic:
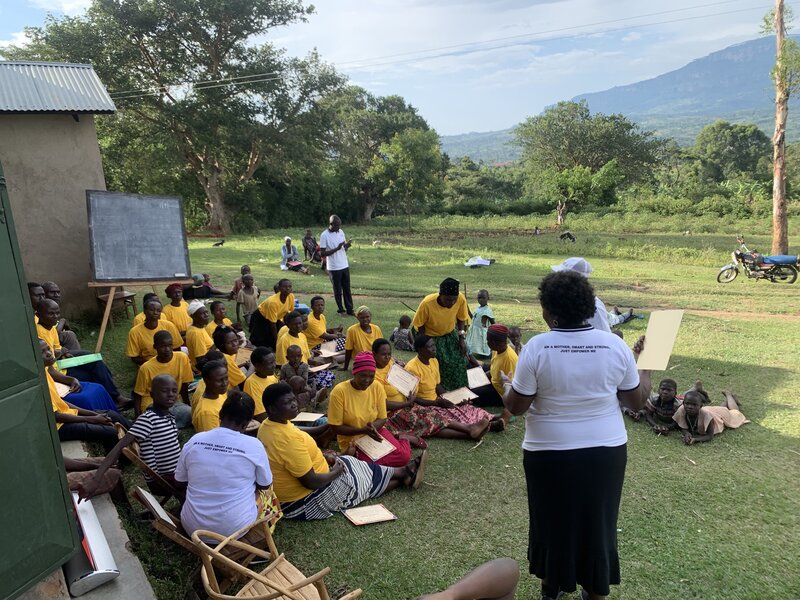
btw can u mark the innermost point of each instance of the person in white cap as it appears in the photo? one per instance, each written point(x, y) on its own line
point(581, 266)
point(290, 257)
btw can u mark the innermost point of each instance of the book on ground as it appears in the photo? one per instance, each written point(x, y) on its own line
point(460, 395)
point(374, 450)
point(364, 515)
point(476, 378)
point(307, 417)
point(662, 329)
point(404, 381)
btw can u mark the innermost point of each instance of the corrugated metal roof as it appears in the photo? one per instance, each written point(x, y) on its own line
point(52, 88)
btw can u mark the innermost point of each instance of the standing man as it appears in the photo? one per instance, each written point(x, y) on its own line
point(334, 245)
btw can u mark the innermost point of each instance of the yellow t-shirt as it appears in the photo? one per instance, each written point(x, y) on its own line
point(197, 394)
point(177, 315)
point(359, 340)
point(178, 367)
point(198, 342)
point(282, 332)
point(140, 339)
point(212, 326)
point(254, 387)
point(272, 309)
point(206, 416)
point(392, 393)
point(356, 408)
point(292, 453)
point(50, 336)
point(139, 319)
point(289, 340)
point(428, 375)
point(505, 362)
point(235, 375)
point(57, 401)
point(316, 327)
point(437, 319)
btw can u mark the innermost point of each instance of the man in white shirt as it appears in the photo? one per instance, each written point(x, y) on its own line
point(333, 246)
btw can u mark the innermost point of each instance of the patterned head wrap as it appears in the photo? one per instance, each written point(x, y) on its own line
point(364, 361)
point(449, 287)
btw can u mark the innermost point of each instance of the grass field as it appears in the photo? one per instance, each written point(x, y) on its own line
point(714, 521)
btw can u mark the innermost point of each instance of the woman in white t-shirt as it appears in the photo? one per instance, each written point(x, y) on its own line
point(568, 383)
point(227, 473)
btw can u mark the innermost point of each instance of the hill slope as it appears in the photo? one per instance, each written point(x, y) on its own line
point(732, 84)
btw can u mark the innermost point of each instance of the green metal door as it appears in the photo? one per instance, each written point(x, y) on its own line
point(38, 529)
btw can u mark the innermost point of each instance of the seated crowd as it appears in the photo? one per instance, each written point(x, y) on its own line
point(250, 456)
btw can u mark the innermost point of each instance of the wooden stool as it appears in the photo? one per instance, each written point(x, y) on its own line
point(128, 300)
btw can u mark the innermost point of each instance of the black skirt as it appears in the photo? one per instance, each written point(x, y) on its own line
point(573, 503)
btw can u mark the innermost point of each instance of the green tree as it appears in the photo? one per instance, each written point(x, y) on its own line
point(733, 149)
point(361, 123)
point(408, 170)
point(579, 186)
point(567, 135)
point(192, 68)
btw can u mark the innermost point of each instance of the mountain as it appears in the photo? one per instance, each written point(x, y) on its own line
point(732, 84)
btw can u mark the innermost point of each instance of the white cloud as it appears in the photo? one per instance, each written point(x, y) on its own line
point(17, 39)
point(632, 36)
point(67, 7)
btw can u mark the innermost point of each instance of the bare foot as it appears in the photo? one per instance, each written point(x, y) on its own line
point(479, 429)
point(414, 440)
point(497, 424)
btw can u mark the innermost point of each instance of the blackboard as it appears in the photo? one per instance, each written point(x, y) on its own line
point(136, 238)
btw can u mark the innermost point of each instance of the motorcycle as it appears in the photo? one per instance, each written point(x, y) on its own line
point(777, 269)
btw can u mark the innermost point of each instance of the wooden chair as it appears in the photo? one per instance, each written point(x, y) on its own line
point(164, 522)
point(128, 300)
point(280, 580)
point(131, 452)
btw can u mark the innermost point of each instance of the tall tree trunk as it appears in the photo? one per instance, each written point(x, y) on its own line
point(370, 202)
point(219, 221)
point(780, 228)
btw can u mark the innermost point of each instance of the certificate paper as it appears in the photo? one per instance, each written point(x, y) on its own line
point(364, 515)
point(460, 395)
point(374, 450)
point(405, 382)
point(307, 417)
point(662, 329)
point(477, 378)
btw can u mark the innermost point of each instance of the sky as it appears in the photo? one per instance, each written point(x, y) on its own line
point(482, 65)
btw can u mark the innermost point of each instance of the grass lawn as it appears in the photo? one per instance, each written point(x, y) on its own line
point(713, 521)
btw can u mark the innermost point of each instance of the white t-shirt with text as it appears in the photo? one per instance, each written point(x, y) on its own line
point(328, 240)
point(222, 468)
point(575, 375)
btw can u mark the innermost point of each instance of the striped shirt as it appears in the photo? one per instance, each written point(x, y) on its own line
point(158, 440)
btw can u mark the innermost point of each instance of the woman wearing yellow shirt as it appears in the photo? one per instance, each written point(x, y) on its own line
point(263, 361)
point(310, 484)
point(205, 416)
point(358, 407)
point(442, 316)
point(267, 320)
point(504, 360)
point(409, 418)
point(430, 390)
point(218, 316)
point(293, 337)
point(227, 342)
point(175, 311)
point(361, 335)
point(198, 340)
point(318, 331)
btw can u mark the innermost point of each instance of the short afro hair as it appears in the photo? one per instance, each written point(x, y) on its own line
point(568, 296)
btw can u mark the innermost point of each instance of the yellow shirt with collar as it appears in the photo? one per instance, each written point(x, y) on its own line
point(437, 319)
point(316, 327)
point(178, 367)
point(212, 326)
point(429, 377)
point(292, 453)
point(355, 408)
point(359, 340)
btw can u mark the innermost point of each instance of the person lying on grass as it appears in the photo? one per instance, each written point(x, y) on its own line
point(660, 407)
point(358, 407)
point(494, 580)
point(407, 418)
point(157, 435)
point(74, 423)
point(169, 362)
point(205, 411)
point(140, 337)
point(263, 361)
point(700, 423)
point(360, 336)
point(227, 342)
point(312, 485)
point(175, 311)
point(429, 392)
point(198, 339)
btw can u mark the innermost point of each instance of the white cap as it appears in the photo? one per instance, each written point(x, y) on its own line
point(194, 306)
point(287, 239)
point(575, 264)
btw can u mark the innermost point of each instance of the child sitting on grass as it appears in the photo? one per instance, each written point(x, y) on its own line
point(174, 364)
point(515, 337)
point(263, 361)
point(157, 435)
point(481, 320)
point(401, 336)
point(700, 423)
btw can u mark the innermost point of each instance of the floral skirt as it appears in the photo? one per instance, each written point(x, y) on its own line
point(417, 420)
point(464, 413)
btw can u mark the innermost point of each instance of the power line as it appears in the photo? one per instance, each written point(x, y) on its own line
point(463, 48)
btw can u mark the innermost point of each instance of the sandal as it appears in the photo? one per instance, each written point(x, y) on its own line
point(422, 461)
